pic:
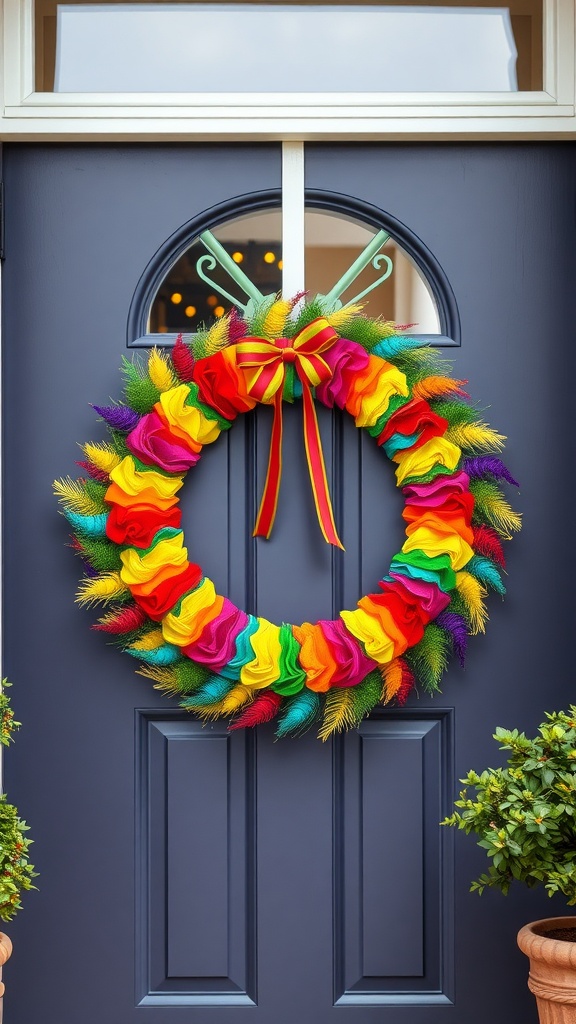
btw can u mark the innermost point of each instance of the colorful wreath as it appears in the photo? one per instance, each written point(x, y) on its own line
point(196, 644)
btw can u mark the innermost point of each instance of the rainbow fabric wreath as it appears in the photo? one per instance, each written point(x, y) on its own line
point(196, 644)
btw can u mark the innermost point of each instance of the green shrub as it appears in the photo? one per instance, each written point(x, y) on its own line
point(525, 813)
point(16, 871)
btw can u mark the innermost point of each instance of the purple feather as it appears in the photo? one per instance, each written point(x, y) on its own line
point(120, 417)
point(89, 570)
point(456, 626)
point(488, 465)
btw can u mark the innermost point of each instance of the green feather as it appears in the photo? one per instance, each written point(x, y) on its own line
point(454, 411)
point(368, 333)
point(102, 555)
point(366, 695)
point(118, 442)
point(141, 393)
point(97, 491)
point(490, 506)
point(458, 606)
point(198, 342)
point(345, 707)
point(181, 678)
point(429, 658)
point(418, 363)
point(257, 320)
point(311, 311)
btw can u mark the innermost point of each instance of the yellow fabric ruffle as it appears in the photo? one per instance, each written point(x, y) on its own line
point(374, 404)
point(134, 481)
point(433, 543)
point(368, 630)
point(140, 568)
point(421, 460)
point(197, 608)
point(186, 420)
point(264, 669)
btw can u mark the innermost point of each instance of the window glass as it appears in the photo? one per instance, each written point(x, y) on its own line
point(333, 244)
point(224, 47)
point(185, 299)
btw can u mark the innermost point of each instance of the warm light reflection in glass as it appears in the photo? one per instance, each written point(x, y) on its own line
point(176, 298)
point(269, 257)
point(190, 310)
point(212, 300)
point(280, 264)
point(237, 257)
point(219, 311)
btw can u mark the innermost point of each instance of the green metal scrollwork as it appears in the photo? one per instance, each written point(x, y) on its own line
point(376, 263)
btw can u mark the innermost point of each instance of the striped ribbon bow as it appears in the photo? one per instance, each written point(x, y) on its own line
point(264, 363)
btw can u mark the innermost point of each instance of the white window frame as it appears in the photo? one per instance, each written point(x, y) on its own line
point(29, 115)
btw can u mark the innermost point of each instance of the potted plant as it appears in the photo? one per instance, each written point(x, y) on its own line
point(525, 817)
point(16, 871)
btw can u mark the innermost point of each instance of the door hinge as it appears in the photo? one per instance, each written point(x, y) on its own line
point(2, 253)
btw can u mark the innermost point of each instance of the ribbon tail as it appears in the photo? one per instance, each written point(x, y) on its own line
point(317, 469)
point(269, 503)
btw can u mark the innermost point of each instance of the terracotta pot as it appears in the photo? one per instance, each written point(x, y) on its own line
point(552, 976)
point(5, 954)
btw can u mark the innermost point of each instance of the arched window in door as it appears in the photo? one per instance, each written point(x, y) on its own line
point(233, 255)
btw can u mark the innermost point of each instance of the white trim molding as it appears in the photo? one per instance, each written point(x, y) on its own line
point(293, 236)
point(28, 115)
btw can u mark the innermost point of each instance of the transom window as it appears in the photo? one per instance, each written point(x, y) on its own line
point(455, 46)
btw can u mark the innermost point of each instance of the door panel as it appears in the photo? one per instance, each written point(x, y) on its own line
point(185, 871)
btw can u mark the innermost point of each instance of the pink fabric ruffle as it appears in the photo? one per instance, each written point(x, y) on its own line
point(437, 491)
point(345, 359)
point(216, 645)
point(151, 442)
point(353, 663)
point(431, 598)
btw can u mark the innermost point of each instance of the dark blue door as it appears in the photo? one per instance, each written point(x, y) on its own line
point(187, 874)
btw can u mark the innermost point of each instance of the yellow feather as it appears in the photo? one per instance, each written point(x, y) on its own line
point(501, 515)
point(237, 697)
point(159, 371)
point(165, 678)
point(474, 438)
point(102, 455)
point(217, 336)
point(473, 593)
point(106, 587)
point(392, 678)
point(338, 713)
point(72, 495)
point(436, 387)
point(340, 317)
point(276, 318)
point(149, 642)
point(227, 706)
point(387, 328)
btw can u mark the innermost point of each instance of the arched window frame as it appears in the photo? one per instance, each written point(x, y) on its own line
point(294, 200)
